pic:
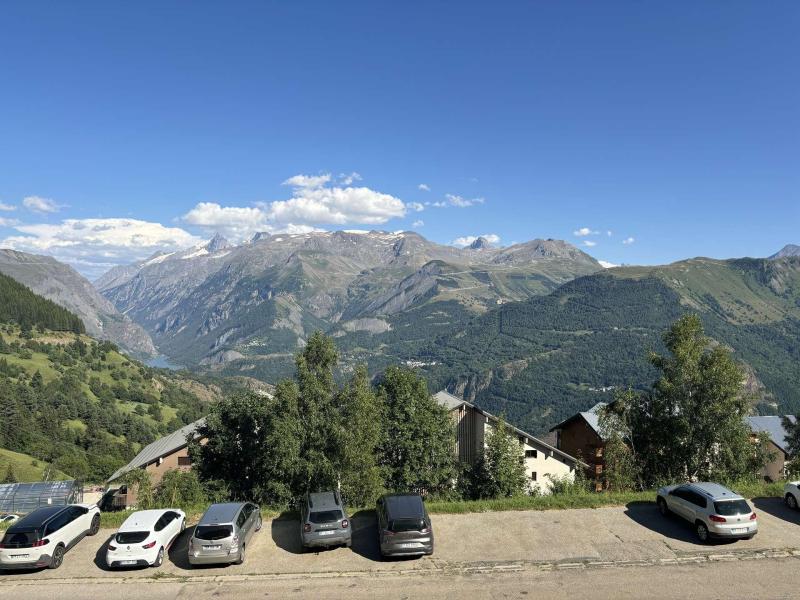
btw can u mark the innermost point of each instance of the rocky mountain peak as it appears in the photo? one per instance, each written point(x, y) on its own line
point(787, 250)
point(217, 243)
point(480, 244)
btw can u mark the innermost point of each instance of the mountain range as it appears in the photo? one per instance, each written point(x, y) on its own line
point(63, 285)
point(536, 330)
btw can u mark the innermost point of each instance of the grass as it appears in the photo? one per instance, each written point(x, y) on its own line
point(26, 468)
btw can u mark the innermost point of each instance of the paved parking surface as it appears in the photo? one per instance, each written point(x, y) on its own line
point(477, 542)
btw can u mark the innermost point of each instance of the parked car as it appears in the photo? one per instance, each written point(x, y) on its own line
point(8, 518)
point(714, 510)
point(324, 521)
point(223, 533)
point(42, 537)
point(404, 527)
point(145, 537)
point(791, 494)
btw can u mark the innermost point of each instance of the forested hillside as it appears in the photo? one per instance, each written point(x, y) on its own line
point(77, 403)
point(20, 305)
point(541, 360)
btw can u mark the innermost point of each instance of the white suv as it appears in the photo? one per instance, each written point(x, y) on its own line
point(41, 538)
point(714, 510)
point(791, 494)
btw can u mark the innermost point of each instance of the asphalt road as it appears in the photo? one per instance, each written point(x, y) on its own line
point(479, 554)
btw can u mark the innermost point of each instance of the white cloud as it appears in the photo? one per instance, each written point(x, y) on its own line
point(418, 223)
point(629, 240)
point(93, 245)
point(313, 203)
point(40, 205)
point(7, 207)
point(609, 233)
point(349, 179)
point(589, 243)
point(308, 181)
point(461, 202)
point(4, 222)
point(466, 240)
point(424, 187)
point(606, 264)
point(584, 231)
point(438, 204)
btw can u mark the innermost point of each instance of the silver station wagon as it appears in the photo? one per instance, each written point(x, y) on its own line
point(714, 510)
point(223, 533)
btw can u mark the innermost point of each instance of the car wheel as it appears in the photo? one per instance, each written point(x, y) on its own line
point(58, 557)
point(95, 526)
point(791, 501)
point(702, 531)
point(662, 507)
point(240, 560)
point(159, 558)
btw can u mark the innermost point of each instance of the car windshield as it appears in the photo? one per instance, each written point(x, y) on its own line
point(131, 537)
point(20, 539)
point(213, 532)
point(400, 525)
point(325, 516)
point(732, 507)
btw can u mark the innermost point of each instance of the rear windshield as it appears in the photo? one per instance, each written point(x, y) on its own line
point(131, 537)
point(732, 507)
point(325, 516)
point(20, 539)
point(399, 525)
point(213, 532)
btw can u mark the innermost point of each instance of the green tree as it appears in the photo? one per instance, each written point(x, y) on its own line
point(419, 436)
point(361, 428)
point(180, 488)
point(500, 470)
point(621, 469)
point(11, 474)
point(691, 424)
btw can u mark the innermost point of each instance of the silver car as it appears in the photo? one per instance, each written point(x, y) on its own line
point(324, 521)
point(223, 533)
point(404, 527)
point(714, 510)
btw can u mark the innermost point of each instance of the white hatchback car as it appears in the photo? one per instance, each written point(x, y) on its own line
point(145, 537)
point(791, 494)
point(42, 537)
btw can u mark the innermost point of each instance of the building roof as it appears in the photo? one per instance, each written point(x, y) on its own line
point(160, 448)
point(774, 427)
point(591, 417)
point(451, 402)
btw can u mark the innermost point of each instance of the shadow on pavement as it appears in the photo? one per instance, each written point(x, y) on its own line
point(286, 533)
point(646, 514)
point(777, 508)
point(179, 551)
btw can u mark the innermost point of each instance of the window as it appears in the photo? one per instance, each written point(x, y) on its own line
point(131, 537)
point(729, 508)
point(57, 522)
point(241, 518)
point(533, 476)
point(325, 516)
point(696, 499)
point(184, 461)
point(162, 522)
point(531, 454)
point(213, 532)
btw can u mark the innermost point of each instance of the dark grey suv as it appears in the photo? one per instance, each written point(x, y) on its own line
point(404, 527)
point(324, 521)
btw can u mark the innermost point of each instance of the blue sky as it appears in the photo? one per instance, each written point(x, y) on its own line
point(131, 127)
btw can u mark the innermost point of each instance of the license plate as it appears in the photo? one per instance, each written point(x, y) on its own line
point(739, 530)
point(126, 563)
point(331, 532)
point(212, 547)
point(409, 545)
point(19, 555)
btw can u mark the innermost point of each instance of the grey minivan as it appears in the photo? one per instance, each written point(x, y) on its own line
point(324, 521)
point(404, 526)
point(223, 533)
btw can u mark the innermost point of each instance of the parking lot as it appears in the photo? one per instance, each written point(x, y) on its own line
point(479, 542)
